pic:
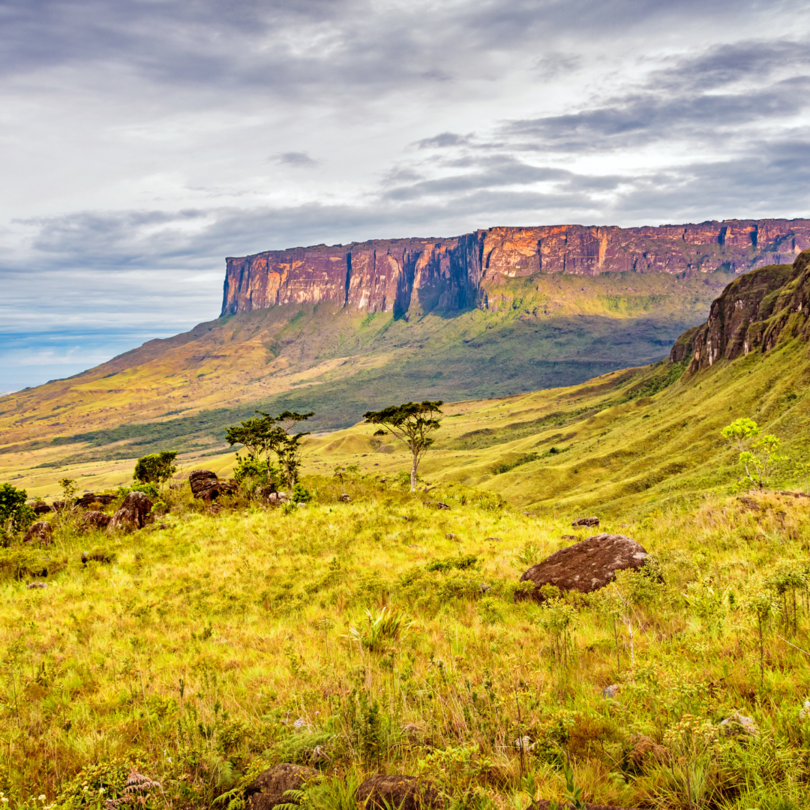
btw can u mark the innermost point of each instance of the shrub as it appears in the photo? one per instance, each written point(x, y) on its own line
point(156, 468)
point(15, 514)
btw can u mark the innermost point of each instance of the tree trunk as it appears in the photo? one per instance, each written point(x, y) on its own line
point(413, 473)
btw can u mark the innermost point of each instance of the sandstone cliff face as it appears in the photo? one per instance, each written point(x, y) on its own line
point(421, 275)
point(754, 312)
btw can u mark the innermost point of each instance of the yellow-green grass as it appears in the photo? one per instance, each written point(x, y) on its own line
point(214, 645)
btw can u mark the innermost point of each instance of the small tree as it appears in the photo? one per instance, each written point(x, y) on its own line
point(15, 514)
point(758, 455)
point(412, 423)
point(156, 468)
point(264, 434)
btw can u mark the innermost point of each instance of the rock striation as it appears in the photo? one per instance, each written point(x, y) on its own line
point(753, 312)
point(406, 276)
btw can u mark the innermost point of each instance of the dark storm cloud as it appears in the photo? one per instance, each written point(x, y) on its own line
point(295, 159)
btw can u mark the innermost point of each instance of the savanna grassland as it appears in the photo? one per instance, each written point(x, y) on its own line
point(382, 635)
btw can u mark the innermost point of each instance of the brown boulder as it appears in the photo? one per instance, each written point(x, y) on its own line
point(585, 566)
point(403, 792)
point(135, 512)
point(40, 532)
point(206, 486)
point(39, 507)
point(586, 521)
point(645, 751)
point(268, 788)
point(95, 520)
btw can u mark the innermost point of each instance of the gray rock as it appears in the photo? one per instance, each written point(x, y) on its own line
point(610, 692)
point(739, 724)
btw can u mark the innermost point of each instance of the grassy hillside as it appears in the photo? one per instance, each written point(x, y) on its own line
point(369, 631)
point(540, 332)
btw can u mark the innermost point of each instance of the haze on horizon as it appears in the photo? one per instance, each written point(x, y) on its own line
point(143, 142)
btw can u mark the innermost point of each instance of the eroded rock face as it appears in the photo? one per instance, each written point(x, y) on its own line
point(752, 313)
point(206, 486)
point(268, 788)
point(586, 566)
point(403, 792)
point(39, 533)
point(135, 513)
point(420, 275)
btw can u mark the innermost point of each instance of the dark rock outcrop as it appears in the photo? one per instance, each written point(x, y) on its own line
point(40, 507)
point(39, 533)
point(403, 792)
point(586, 521)
point(585, 566)
point(206, 486)
point(268, 788)
point(89, 498)
point(420, 275)
point(94, 519)
point(753, 312)
point(135, 513)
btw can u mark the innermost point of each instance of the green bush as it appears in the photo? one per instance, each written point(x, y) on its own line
point(15, 514)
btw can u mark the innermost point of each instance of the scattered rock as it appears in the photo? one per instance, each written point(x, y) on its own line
point(524, 743)
point(268, 788)
point(39, 507)
point(403, 792)
point(750, 504)
point(435, 505)
point(32, 586)
point(739, 724)
point(89, 498)
point(412, 732)
point(586, 566)
point(96, 556)
point(645, 751)
point(804, 712)
point(610, 692)
point(344, 498)
point(206, 486)
point(543, 804)
point(40, 532)
point(586, 521)
point(263, 493)
point(451, 536)
point(95, 520)
point(493, 539)
point(135, 513)
point(484, 587)
point(569, 537)
point(276, 498)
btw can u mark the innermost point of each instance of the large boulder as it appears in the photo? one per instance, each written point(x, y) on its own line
point(135, 513)
point(402, 792)
point(585, 566)
point(95, 520)
point(39, 533)
point(206, 486)
point(268, 788)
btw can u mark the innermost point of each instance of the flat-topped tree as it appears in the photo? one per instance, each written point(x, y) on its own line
point(256, 434)
point(412, 423)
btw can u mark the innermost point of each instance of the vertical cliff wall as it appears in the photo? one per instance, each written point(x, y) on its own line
point(421, 275)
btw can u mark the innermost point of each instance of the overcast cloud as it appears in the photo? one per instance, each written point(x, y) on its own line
point(141, 142)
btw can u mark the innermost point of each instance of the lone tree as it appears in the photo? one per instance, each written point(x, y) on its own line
point(413, 423)
point(264, 434)
point(759, 455)
point(156, 468)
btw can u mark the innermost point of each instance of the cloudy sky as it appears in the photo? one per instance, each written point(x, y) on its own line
point(142, 141)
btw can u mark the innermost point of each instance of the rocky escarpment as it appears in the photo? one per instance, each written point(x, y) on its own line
point(421, 275)
point(755, 311)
